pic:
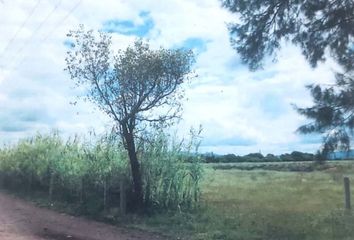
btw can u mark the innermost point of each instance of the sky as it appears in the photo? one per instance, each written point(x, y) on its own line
point(240, 111)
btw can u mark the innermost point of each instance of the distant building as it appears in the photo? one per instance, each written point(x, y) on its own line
point(340, 155)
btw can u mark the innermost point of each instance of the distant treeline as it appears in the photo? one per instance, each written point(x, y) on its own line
point(295, 156)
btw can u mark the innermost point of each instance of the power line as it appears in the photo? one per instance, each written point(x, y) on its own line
point(20, 28)
point(20, 50)
point(55, 27)
point(46, 37)
point(62, 20)
point(38, 28)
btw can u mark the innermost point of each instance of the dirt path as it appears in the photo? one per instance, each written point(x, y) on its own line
point(20, 220)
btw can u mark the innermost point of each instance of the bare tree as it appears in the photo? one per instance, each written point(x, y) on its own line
point(134, 87)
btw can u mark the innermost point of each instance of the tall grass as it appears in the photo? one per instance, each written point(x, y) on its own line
point(87, 172)
point(76, 170)
point(172, 171)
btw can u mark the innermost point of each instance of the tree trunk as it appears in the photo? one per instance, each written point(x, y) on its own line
point(135, 168)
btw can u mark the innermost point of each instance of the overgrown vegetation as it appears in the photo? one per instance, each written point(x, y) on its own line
point(86, 172)
point(171, 176)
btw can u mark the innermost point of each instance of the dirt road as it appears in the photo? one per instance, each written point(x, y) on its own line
point(20, 220)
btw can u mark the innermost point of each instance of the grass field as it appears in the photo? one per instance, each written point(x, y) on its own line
point(256, 204)
point(307, 166)
point(265, 205)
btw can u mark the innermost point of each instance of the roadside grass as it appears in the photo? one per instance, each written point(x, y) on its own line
point(264, 205)
point(251, 205)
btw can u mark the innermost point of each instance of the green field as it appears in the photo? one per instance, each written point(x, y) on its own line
point(307, 166)
point(264, 205)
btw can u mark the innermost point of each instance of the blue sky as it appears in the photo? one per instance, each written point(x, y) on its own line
point(129, 27)
point(240, 111)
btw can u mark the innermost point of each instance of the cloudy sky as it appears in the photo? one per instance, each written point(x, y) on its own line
point(240, 111)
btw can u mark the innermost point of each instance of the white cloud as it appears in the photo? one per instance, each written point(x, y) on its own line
point(229, 101)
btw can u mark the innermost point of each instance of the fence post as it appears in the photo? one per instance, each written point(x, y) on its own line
point(1, 180)
point(105, 194)
point(51, 186)
point(122, 203)
point(347, 192)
